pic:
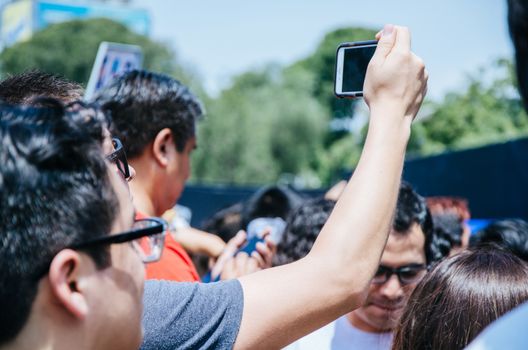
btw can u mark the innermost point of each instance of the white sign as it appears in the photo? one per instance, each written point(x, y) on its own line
point(112, 60)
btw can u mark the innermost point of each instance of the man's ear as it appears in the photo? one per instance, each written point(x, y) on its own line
point(64, 273)
point(163, 143)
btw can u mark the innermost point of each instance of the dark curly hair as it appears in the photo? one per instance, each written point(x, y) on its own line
point(303, 227)
point(21, 89)
point(511, 234)
point(412, 208)
point(305, 223)
point(142, 103)
point(449, 226)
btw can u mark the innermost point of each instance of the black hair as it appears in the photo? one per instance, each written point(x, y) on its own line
point(412, 208)
point(448, 225)
point(303, 227)
point(226, 222)
point(306, 222)
point(460, 297)
point(21, 89)
point(142, 103)
point(54, 191)
point(518, 25)
point(270, 201)
point(511, 234)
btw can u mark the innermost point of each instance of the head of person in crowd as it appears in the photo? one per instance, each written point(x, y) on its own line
point(460, 297)
point(270, 202)
point(448, 225)
point(22, 89)
point(412, 247)
point(518, 25)
point(510, 234)
point(62, 205)
point(155, 116)
point(302, 228)
point(226, 222)
point(38, 89)
point(449, 219)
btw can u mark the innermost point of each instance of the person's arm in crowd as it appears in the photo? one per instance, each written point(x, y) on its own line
point(284, 303)
point(196, 241)
point(232, 265)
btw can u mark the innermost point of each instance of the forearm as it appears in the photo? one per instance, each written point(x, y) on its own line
point(199, 242)
point(282, 304)
point(354, 236)
point(333, 278)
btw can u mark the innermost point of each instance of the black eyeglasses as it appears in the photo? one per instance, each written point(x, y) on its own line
point(406, 274)
point(147, 237)
point(119, 157)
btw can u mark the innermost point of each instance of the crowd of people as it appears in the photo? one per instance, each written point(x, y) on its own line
point(87, 262)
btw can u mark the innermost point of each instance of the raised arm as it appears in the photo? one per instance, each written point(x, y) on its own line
point(282, 304)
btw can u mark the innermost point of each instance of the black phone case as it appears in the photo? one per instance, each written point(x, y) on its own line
point(350, 44)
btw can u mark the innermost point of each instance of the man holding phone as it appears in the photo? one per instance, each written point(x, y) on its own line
point(274, 307)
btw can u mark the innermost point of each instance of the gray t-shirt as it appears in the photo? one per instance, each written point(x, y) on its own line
point(180, 315)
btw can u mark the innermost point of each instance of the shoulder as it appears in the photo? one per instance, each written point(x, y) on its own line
point(191, 315)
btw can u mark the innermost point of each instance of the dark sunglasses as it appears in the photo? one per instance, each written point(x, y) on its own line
point(147, 236)
point(406, 274)
point(118, 156)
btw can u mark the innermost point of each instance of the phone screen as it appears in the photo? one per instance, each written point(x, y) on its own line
point(355, 63)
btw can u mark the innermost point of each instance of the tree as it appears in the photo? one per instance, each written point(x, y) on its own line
point(69, 49)
point(488, 111)
point(322, 64)
point(275, 121)
point(259, 128)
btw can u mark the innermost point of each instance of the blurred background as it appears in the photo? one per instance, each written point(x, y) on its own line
point(265, 71)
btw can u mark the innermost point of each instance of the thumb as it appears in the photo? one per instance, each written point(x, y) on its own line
point(386, 41)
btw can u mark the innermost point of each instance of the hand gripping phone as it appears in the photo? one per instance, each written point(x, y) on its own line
point(352, 60)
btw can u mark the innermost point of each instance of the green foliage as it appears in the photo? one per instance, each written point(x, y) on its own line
point(69, 49)
point(488, 111)
point(273, 123)
point(322, 64)
point(258, 129)
point(338, 158)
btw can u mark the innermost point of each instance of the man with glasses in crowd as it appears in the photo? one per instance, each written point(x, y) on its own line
point(71, 254)
point(412, 246)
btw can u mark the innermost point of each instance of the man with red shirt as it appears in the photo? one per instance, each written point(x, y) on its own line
point(155, 115)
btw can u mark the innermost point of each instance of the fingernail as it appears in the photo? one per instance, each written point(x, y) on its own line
point(388, 29)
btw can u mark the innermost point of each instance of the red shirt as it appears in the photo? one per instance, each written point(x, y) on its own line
point(174, 264)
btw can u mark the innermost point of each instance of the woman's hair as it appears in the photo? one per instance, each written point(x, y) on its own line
point(460, 297)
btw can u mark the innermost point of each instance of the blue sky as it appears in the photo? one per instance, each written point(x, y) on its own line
point(222, 38)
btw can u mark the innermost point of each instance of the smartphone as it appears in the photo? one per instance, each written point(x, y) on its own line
point(255, 229)
point(352, 60)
